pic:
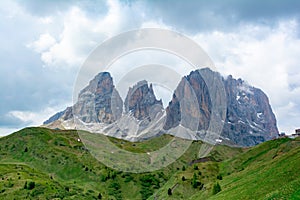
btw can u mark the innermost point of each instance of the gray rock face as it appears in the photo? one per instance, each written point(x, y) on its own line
point(54, 117)
point(141, 101)
point(249, 117)
point(98, 102)
point(190, 87)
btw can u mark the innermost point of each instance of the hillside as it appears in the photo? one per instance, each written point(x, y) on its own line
point(39, 163)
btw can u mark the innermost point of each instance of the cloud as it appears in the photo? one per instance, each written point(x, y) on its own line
point(40, 62)
point(9, 120)
point(16, 119)
point(82, 33)
point(266, 57)
point(51, 7)
point(202, 15)
point(43, 44)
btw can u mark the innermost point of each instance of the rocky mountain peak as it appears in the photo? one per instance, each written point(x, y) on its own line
point(249, 117)
point(139, 100)
point(95, 101)
point(192, 86)
point(102, 83)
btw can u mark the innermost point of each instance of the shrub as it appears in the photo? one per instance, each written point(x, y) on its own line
point(148, 182)
point(29, 186)
point(169, 191)
point(128, 179)
point(216, 188)
point(194, 181)
point(219, 177)
point(196, 167)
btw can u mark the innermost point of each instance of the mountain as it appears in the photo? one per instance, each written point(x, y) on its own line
point(40, 163)
point(99, 102)
point(249, 117)
point(141, 100)
point(248, 120)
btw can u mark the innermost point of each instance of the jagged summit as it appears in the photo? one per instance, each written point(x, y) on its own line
point(140, 99)
point(249, 117)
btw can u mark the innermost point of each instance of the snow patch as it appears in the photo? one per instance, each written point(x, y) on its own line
point(259, 115)
point(240, 121)
point(245, 88)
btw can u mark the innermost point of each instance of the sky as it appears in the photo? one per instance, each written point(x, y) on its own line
point(44, 44)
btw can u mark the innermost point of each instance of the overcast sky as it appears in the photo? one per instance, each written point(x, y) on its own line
point(44, 43)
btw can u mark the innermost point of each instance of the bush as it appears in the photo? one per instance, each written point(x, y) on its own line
point(169, 191)
point(183, 178)
point(216, 188)
point(219, 177)
point(114, 189)
point(29, 186)
point(194, 181)
point(148, 182)
point(128, 179)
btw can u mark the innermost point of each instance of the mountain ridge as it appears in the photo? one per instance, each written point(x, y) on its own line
point(249, 116)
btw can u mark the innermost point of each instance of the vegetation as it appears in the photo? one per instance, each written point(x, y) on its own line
point(216, 188)
point(38, 163)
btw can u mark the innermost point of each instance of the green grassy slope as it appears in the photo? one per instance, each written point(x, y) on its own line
point(268, 171)
point(60, 157)
point(60, 166)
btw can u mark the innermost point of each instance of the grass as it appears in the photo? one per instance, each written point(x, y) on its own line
point(143, 146)
point(62, 167)
point(267, 171)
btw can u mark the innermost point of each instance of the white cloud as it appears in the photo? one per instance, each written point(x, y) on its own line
point(28, 118)
point(46, 20)
point(44, 42)
point(7, 131)
point(82, 33)
point(34, 118)
point(267, 58)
